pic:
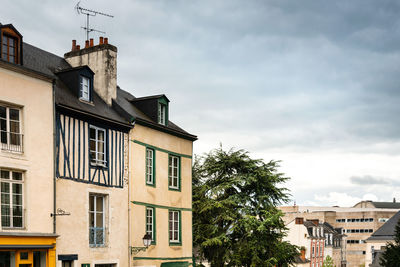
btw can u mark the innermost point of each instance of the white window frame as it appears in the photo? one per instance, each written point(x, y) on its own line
point(162, 114)
point(84, 90)
point(11, 205)
point(95, 228)
point(174, 181)
point(96, 161)
point(150, 166)
point(8, 145)
point(150, 223)
point(173, 230)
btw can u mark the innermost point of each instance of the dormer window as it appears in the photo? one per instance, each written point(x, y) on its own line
point(84, 92)
point(9, 49)
point(161, 113)
point(10, 44)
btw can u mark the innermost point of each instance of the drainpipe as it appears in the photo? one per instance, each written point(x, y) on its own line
point(54, 159)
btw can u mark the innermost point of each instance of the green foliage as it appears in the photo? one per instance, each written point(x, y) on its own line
point(328, 262)
point(235, 217)
point(391, 256)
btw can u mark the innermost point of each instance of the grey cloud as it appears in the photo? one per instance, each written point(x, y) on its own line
point(372, 180)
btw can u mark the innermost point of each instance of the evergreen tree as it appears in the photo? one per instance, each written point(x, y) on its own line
point(328, 262)
point(391, 256)
point(235, 217)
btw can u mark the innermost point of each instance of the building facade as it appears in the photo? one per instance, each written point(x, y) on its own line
point(87, 166)
point(161, 183)
point(27, 235)
point(357, 223)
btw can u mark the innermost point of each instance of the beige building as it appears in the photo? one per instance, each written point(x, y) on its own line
point(26, 157)
point(358, 223)
point(316, 240)
point(377, 242)
point(161, 183)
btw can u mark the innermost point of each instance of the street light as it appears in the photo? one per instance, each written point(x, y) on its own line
point(146, 242)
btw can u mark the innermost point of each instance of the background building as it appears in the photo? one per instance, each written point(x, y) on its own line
point(357, 223)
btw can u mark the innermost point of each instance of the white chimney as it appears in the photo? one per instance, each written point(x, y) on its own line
point(102, 60)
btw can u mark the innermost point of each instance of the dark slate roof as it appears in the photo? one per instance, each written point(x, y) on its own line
point(386, 205)
point(387, 230)
point(47, 63)
point(126, 101)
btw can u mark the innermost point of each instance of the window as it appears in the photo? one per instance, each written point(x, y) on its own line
point(97, 146)
point(173, 172)
point(67, 264)
point(84, 92)
point(11, 198)
point(9, 49)
point(96, 220)
point(10, 129)
point(162, 113)
point(150, 223)
point(174, 226)
point(150, 166)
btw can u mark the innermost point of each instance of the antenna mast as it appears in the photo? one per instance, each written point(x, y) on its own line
point(89, 13)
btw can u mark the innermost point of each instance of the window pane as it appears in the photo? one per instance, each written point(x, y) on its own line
point(5, 187)
point(101, 135)
point(17, 188)
point(5, 174)
point(91, 235)
point(99, 204)
point(17, 211)
point(14, 114)
point(92, 133)
point(176, 215)
point(5, 198)
point(17, 176)
point(91, 219)
point(99, 220)
point(91, 203)
point(99, 236)
point(11, 41)
point(17, 200)
point(2, 112)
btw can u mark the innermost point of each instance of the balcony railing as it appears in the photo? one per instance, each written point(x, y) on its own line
point(11, 141)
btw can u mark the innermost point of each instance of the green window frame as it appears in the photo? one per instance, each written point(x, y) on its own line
point(174, 227)
point(174, 172)
point(151, 223)
point(150, 167)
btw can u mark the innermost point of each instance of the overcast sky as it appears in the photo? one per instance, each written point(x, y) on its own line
point(312, 83)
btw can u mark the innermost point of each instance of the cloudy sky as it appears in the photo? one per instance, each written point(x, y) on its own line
point(312, 83)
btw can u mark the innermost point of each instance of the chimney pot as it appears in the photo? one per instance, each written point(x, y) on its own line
point(106, 40)
point(86, 43)
point(91, 42)
point(101, 40)
point(73, 45)
point(78, 47)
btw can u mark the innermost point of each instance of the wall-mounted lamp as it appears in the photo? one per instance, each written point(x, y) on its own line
point(146, 242)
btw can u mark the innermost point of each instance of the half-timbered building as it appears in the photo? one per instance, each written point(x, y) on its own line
point(91, 161)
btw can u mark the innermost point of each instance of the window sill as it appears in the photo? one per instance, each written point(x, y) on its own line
point(151, 185)
point(98, 165)
point(97, 246)
point(86, 101)
point(175, 244)
point(174, 189)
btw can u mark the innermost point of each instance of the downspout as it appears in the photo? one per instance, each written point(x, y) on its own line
point(54, 159)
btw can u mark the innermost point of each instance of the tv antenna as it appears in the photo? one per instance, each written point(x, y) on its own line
point(88, 13)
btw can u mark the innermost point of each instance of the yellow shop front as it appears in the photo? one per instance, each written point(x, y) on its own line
point(27, 250)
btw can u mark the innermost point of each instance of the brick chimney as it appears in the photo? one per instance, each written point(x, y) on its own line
point(102, 60)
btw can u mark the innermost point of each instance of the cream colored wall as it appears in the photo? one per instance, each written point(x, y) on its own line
point(34, 96)
point(377, 246)
point(160, 195)
point(73, 230)
point(298, 235)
